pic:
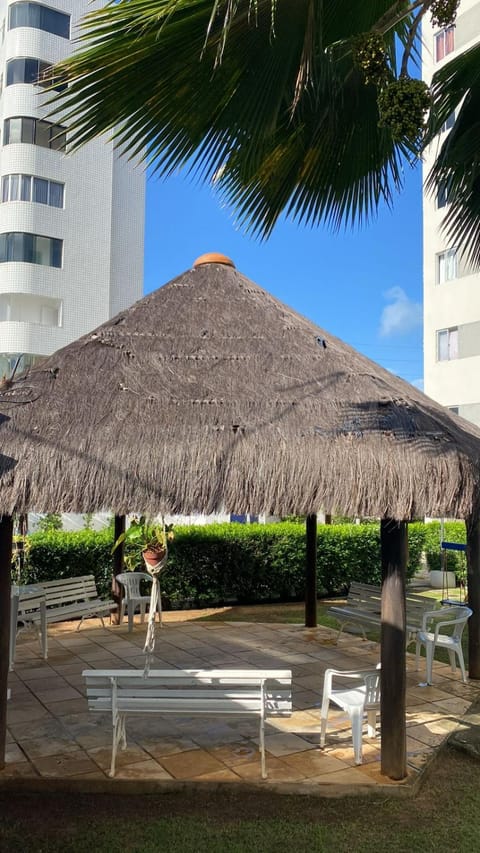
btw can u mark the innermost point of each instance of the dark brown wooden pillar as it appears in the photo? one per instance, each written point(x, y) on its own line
point(394, 548)
point(473, 585)
point(118, 564)
point(6, 537)
point(311, 572)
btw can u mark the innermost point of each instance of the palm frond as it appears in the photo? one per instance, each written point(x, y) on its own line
point(456, 89)
point(290, 123)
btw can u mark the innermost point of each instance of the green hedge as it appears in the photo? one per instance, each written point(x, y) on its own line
point(63, 554)
point(221, 563)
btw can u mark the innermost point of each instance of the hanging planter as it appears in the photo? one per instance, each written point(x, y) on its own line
point(144, 538)
point(153, 555)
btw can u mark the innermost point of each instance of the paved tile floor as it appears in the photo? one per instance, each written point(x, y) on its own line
point(52, 736)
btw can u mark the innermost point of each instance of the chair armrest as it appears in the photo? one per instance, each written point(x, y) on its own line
point(447, 622)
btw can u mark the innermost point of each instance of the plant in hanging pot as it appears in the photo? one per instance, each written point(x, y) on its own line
point(145, 539)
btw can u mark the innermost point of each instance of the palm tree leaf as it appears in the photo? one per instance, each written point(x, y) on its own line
point(456, 88)
point(290, 123)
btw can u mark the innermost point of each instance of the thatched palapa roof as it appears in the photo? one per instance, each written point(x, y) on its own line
point(210, 393)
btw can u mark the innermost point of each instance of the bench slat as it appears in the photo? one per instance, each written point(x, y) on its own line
point(192, 675)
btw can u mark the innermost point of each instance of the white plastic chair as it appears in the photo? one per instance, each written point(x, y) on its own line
point(455, 617)
point(133, 597)
point(355, 700)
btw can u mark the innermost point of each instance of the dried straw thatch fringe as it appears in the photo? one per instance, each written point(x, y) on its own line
point(208, 394)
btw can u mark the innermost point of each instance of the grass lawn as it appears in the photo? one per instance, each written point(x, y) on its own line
point(445, 815)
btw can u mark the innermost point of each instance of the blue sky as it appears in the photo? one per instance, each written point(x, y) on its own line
point(363, 285)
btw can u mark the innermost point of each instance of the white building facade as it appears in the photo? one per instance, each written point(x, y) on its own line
point(451, 288)
point(71, 225)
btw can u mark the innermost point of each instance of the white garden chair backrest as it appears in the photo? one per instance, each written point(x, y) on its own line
point(131, 582)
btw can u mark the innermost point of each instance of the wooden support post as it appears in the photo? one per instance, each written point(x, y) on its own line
point(473, 586)
point(118, 564)
point(6, 538)
point(394, 547)
point(311, 572)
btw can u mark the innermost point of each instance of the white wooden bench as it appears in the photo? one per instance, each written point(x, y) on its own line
point(191, 692)
point(65, 599)
point(363, 609)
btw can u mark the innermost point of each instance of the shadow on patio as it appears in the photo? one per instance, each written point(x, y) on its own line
point(54, 741)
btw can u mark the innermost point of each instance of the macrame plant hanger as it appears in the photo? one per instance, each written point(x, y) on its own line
point(154, 571)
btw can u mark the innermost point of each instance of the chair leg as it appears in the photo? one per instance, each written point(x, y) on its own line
point(417, 655)
point(429, 654)
point(453, 660)
point(372, 723)
point(461, 663)
point(357, 724)
point(323, 722)
point(130, 617)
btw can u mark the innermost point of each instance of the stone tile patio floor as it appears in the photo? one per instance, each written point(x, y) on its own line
point(52, 736)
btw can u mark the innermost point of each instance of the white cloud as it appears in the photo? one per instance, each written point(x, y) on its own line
point(401, 316)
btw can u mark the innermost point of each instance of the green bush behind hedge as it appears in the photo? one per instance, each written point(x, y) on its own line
point(219, 563)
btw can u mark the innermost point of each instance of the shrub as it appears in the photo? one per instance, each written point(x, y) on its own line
point(222, 563)
point(62, 554)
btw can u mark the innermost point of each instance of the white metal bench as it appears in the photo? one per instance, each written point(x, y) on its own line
point(363, 608)
point(68, 598)
point(191, 692)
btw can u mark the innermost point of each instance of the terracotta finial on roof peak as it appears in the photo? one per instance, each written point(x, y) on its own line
point(213, 258)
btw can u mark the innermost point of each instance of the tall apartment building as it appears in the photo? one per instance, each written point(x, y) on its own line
point(451, 288)
point(71, 226)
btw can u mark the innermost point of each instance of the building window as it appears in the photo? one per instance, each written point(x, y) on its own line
point(453, 409)
point(35, 132)
point(29, 70)
point(28, 308)
point(448, 123)
point(443, 193)
point(31, 188)
point(444, 43)
point(31, 249)
point(447, 344)
point(39, 18)
point(446, 266)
